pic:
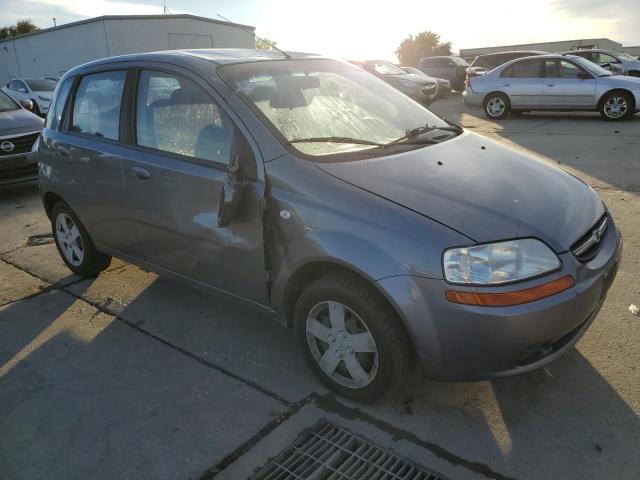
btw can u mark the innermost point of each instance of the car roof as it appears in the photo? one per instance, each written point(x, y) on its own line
point(193, 57)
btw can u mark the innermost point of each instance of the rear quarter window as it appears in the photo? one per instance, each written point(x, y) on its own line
point(57, 106)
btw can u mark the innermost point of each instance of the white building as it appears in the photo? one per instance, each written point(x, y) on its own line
point(553, 47)
point(53, 51)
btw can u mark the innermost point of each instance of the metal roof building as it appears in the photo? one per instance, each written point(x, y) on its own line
point(52, 51)
point(551, 47)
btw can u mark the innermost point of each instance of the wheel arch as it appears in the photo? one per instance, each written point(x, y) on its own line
point(617, 90)
point(306, 274)
point(49, 199)
point(492, 92)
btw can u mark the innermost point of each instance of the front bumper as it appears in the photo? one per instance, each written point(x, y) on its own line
point(463, 342)
point(18, 168)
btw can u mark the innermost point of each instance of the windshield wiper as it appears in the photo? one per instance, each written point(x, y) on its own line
point(415, 132)
point(355, 141)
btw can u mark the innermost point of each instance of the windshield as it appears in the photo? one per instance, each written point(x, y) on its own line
point(460, 61)
point(597, 70)
point(386, 68)
point(41, 84)
point(322, 99)
point(6, 103)
point(626, 56)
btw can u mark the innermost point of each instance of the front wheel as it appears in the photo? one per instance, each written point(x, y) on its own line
point(353, 341)
point(496, 106)
point(616, 106)
point(74, 244)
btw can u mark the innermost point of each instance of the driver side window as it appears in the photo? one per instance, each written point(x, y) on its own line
point(175, 115)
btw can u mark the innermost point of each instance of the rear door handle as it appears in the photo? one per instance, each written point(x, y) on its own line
point(506, 85)
point(550, 84)
point(63, 150)
point(141, 173)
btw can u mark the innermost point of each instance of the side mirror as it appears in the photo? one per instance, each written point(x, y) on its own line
point(230, 199)
point(584, 75)
point(28, 104)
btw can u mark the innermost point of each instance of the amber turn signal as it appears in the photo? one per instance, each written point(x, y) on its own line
point(507, 299)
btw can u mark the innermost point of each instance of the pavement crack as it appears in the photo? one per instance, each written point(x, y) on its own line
point(213, 471)
point(177, 348)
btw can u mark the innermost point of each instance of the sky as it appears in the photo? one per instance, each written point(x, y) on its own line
point(371, 29)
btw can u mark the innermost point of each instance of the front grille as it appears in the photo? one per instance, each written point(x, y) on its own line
point(330, 452)
point(588, 245)
point(21, 144)
point(19, 172)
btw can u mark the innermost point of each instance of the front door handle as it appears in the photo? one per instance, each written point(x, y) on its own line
point(141, 173)
point(550, 84)
point(63, 150)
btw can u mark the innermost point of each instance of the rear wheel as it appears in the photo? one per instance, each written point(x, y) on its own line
point(496, 106)
point(74, 244)
point(616, 106)
point(353, 341)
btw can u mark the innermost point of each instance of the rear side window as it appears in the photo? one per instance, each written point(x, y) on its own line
point(175, 115)
point(57, 107)
point(524, 69)
point(562, 69)
point(96, 109)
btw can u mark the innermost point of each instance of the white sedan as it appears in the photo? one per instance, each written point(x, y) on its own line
point(38, 90)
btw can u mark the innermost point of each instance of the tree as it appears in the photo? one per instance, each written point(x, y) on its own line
point(20, 28)
point(425, 44)
point(265, 44)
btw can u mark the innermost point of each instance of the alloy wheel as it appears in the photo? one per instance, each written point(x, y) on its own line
point(342, 345)
point(69, 239)
point(615, 107)
point(496, 106)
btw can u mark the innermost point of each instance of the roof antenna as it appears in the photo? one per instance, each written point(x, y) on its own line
point(286, 55)
point(166, 10)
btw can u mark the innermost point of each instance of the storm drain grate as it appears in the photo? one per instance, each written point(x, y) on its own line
point(330, 452)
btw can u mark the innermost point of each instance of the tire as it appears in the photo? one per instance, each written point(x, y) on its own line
point(616, 106)
point(492, 104)
point(79, 254)
point(372, 337)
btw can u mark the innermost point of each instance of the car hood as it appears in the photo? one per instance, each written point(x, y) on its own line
point(481, 189)
point(16, 121)
point(417, 79)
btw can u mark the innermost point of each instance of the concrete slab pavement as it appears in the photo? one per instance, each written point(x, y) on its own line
point(83, 395)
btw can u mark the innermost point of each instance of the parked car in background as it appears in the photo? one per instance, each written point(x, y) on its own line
point(38, 90)
point(19, 132)
point(616, 62)
point(453, 69)
point(444, 86)
point(553, 82)
point(419, 87)
point(484, 63)
point(315, 192)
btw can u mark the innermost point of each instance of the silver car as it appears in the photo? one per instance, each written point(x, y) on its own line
point(617, 62)
point(553, 82)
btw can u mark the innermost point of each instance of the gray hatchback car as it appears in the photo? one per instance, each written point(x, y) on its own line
point(314, 191)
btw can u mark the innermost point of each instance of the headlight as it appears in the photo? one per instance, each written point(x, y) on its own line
point(500, 262)
point(408, 83)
